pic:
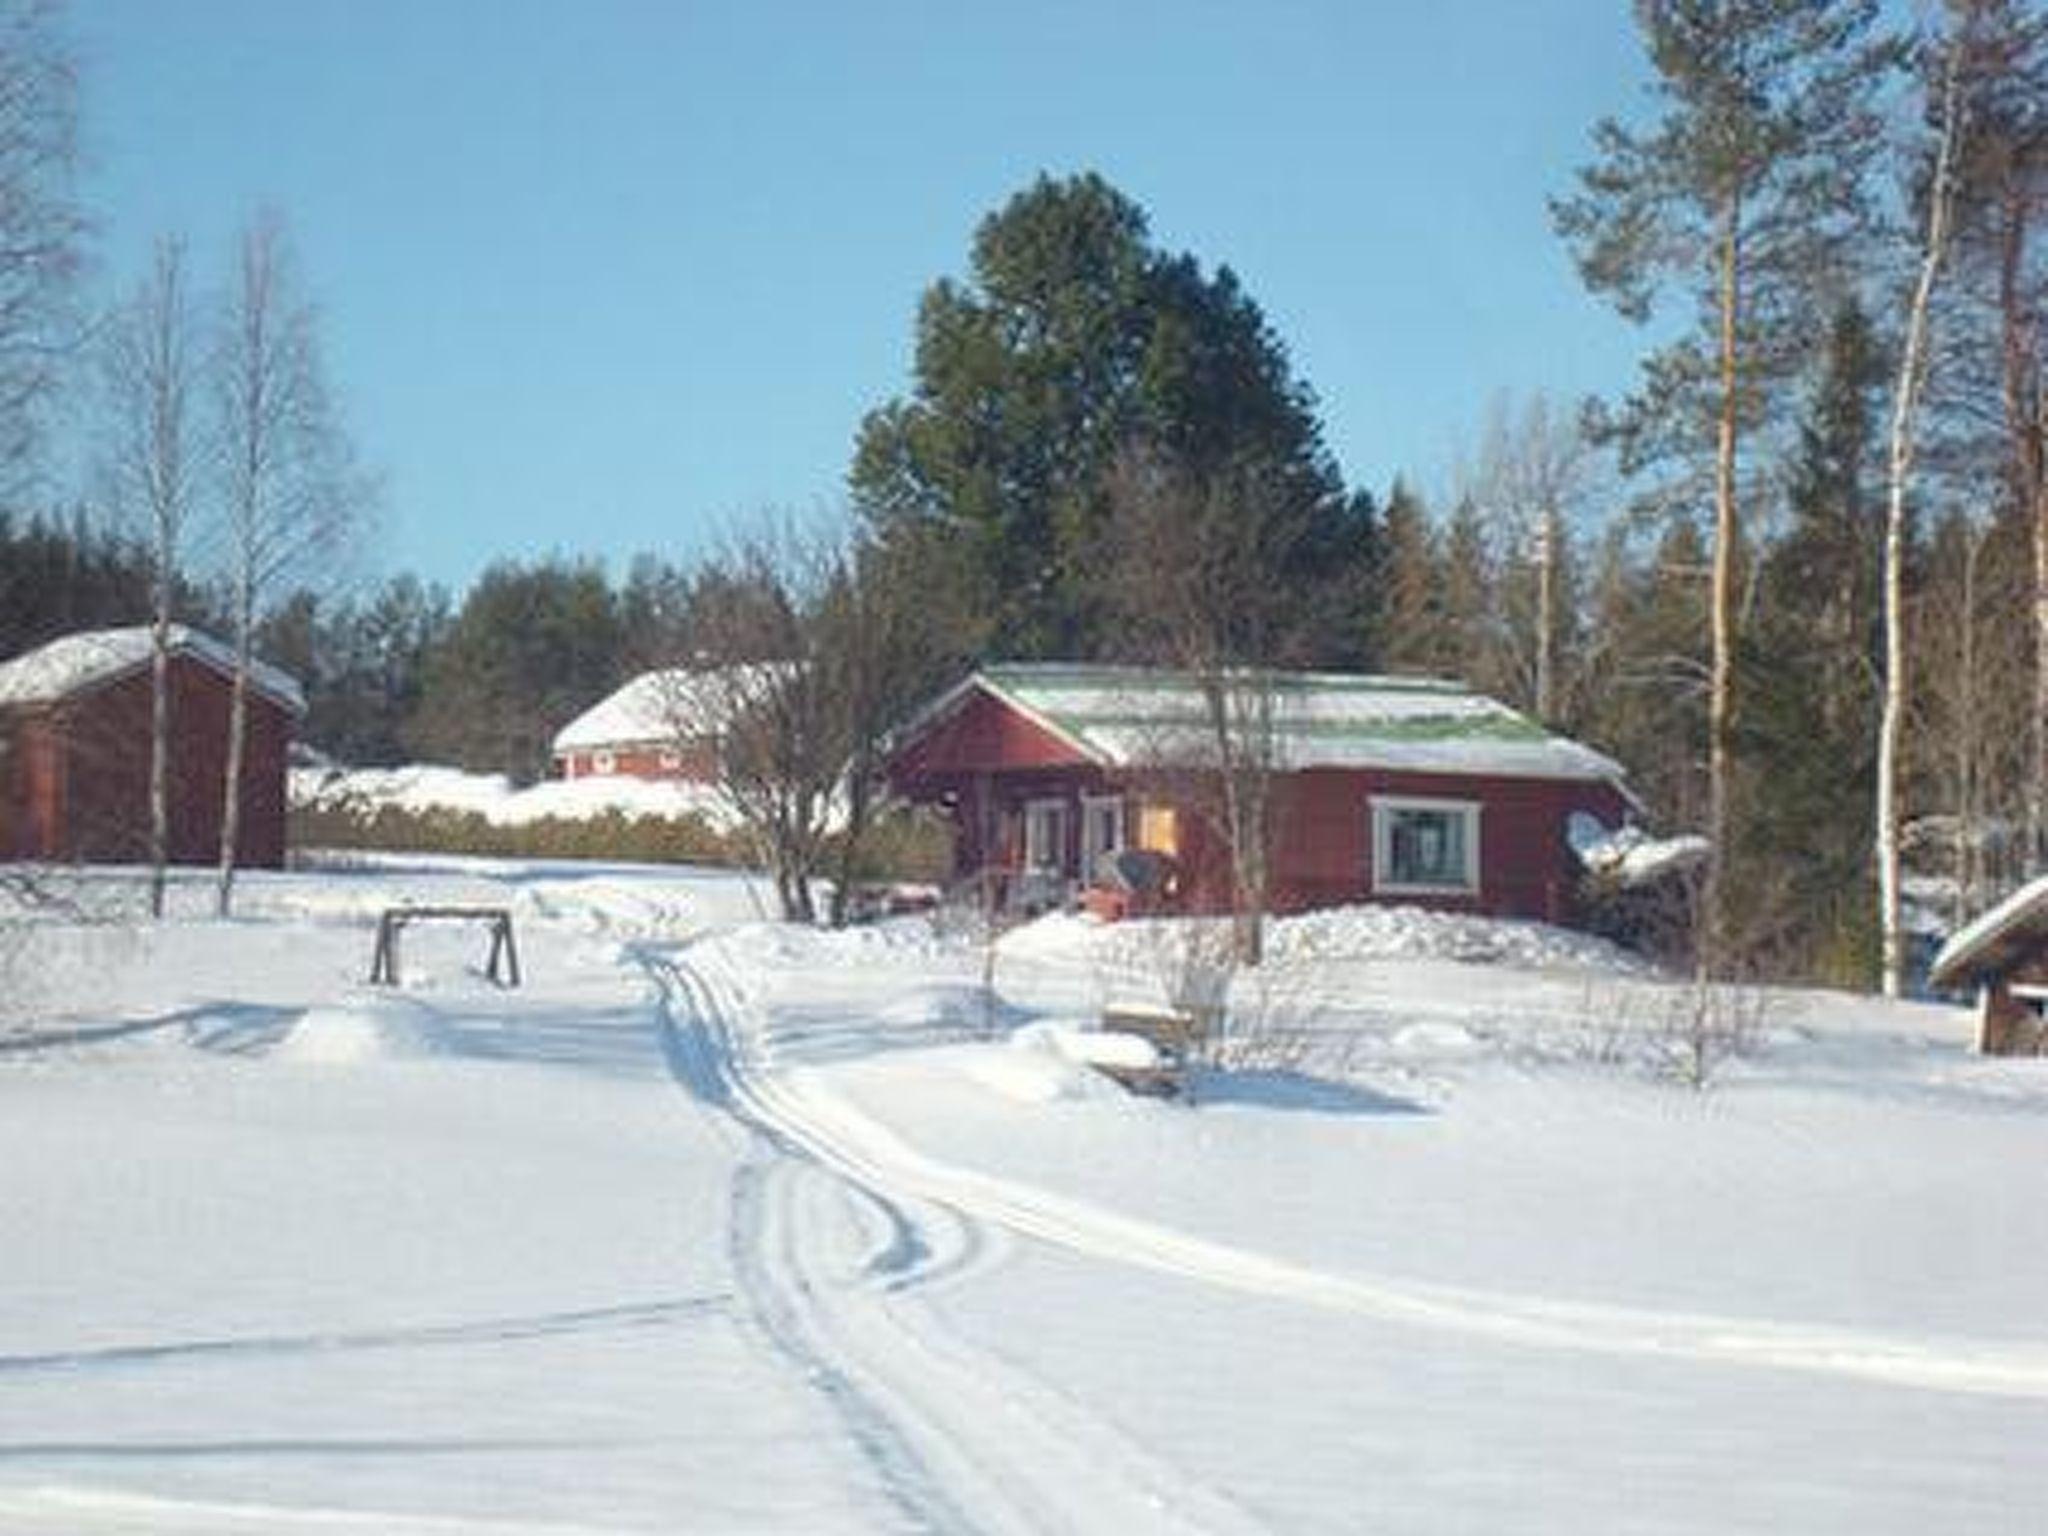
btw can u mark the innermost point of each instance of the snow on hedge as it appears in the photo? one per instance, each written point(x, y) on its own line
point(423, 788)
point(1335, 933)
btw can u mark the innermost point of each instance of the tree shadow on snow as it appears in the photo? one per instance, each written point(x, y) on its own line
point(1294, 1091)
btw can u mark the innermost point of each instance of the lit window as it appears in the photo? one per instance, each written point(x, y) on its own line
point(1425, 846)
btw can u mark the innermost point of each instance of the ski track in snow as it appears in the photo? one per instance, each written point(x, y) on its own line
point(957, 1441)
point(796, 1109)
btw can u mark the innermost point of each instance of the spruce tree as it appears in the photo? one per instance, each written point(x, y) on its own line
point(1410, 610)
point(1811, 663)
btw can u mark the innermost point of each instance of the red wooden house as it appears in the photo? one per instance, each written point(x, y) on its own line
point(75, 747)
point(1381, 788)
point(660, 725)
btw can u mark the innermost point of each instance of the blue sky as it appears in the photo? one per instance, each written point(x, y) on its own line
point(604, 276)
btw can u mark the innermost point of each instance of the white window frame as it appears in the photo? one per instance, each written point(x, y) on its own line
point(1113, 809)
point(1384, 808)
point(1056, 810)
point(604, 760)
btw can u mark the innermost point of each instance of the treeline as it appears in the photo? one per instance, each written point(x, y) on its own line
point(1804, 561)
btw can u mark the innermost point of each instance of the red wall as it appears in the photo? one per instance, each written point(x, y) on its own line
point(1323, 847)
point(983, 736)
point(77, 781)
point(697, 763)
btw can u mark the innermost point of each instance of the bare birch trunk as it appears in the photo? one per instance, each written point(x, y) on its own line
point(2034, 480)
point(159, 749)
point(1905, 405)
point(1547, 533)
point(238, 730)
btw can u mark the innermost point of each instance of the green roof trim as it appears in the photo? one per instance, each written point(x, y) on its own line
point(1084, 675)
point(1501, 727)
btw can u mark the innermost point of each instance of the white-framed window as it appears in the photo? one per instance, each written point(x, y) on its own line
point(1045, 835)
point(1102, 829)
point(1425, 847)
point(603, 762)
point(671, 760)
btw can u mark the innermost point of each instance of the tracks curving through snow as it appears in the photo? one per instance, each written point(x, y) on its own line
point(955, 1440)
point(840, 1136)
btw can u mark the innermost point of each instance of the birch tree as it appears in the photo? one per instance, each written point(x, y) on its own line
point(1740, 198)
point(290, 492)
point(41, 226)
point(152, 460)
point(1530, 479)
point(1906, 393)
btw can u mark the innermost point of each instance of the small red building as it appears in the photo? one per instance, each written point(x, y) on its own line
point(660, 725)
point(1381, 788)
point(75, 747)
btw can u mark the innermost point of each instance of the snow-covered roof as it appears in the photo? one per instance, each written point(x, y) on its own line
point(67, 667)
point(1989, 941)
point(660, 707)
point(1125, 716)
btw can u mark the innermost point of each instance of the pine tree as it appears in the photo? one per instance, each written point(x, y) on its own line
point(1076, 342)
point(1741, 197)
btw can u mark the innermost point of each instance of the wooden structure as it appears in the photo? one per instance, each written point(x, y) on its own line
point(1176, 1037)
point(502, 966)
point(1381, 789)
point(75, 748)
point(2003, 957)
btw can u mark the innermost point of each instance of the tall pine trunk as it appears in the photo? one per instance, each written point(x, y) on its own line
point(1712, 957)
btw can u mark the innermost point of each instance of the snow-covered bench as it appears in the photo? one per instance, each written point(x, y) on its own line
point(1174, 1035)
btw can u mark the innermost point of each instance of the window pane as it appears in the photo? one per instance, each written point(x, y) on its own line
point(1426, 847)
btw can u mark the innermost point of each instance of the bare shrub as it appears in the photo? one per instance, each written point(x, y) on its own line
point(1684, 1031)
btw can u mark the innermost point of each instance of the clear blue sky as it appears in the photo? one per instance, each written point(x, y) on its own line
point(606, 276)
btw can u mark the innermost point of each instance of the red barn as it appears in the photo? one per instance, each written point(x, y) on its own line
point(74, 750)
point(1382, 788)
point(661, 725)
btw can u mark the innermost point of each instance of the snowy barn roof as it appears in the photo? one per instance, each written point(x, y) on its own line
point(660, 706)
point(75, 664)
point(1121, 716)
point(1994, 939)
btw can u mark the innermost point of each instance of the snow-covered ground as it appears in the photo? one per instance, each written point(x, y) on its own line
point(721, 1225)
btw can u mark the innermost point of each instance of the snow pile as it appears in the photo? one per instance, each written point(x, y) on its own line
point(1355, 933)
point(1629, 856)
point(420, 788)
point(1045, 1063)
point(352, 1034)
point(1088, 1047)
point(1334, 933)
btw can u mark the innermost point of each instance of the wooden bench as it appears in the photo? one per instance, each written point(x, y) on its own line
point(502, 967)
point(1175, 1034)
